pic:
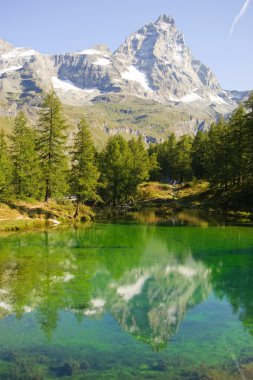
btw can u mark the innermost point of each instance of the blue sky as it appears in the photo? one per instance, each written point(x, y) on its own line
point(57, 26)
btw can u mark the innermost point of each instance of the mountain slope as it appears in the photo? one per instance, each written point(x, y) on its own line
point(153, 65)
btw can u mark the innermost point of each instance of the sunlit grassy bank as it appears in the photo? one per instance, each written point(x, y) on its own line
point(23, 215)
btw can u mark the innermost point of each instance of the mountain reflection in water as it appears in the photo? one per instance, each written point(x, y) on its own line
point(146, 278)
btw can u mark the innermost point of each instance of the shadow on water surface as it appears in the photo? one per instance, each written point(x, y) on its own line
point(128, 301)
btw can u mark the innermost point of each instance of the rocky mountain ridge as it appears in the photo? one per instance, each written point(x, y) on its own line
point(153, 64)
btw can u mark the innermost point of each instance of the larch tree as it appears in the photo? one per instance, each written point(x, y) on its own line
point(26, 170)
point(166, 154)
point(84, 173)
point(249, 132)
point(115, 163)
point(217, 158)
point(140, 165)
point(5, 169)
point(183, 168)
point(198, 154)
point(238, 146)
point(51, 145)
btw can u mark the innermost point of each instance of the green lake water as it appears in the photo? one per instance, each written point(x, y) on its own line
point(136, 299)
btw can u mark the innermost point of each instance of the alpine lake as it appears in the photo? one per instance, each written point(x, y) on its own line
point(135, 298)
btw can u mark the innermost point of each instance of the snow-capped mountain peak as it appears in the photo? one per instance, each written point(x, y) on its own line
point(153, 63)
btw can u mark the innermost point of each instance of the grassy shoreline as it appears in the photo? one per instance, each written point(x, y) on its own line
point(29, 214)
point(166, 198)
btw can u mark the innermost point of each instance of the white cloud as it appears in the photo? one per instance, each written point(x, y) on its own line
point(239, 16)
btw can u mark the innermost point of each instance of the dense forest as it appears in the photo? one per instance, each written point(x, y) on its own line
point(41, 163)
point(222, 155)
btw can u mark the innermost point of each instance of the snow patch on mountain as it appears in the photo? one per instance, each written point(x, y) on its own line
point(67, 85)
point(189, 98)
point(18, 53)
point(133, 74)
point(193, 97)
point(102, 62)
point(28, 53)
point(176, 55)
point(11, 54)
point(12, 68)
point(217, 99)
point(88, 52)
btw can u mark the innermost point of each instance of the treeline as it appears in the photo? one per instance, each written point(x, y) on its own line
point(223, 155)
point(40, 163)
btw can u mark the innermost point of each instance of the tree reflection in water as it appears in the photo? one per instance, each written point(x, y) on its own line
point(146, 277)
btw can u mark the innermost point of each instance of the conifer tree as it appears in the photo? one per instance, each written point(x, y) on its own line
point(183, 169)
point(166, 156)
point(51, 145)
point(5, 169)
point(26, 171)
point(84, 173)
point(249, 132)
point(172, 155)
point(238, 141)
point(198, 154)
point(116, 161)
point(154, 167)
point(139, 171)
point(217, 155)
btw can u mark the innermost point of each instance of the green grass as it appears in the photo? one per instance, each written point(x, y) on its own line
point(155, 190)
point(192, 189)
point(21, 224)
point(22, 215)
point(172, 198)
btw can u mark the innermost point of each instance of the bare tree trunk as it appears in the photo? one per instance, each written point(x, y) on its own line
point(48, 192)
point(77, 210)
